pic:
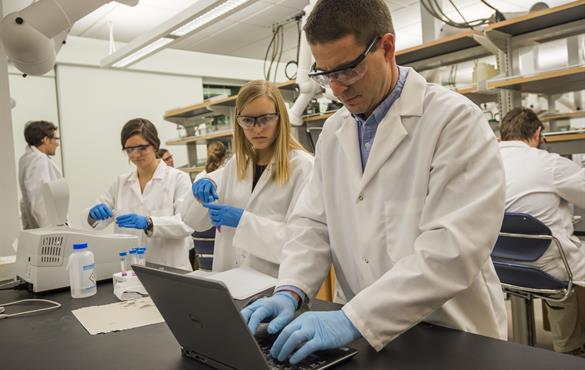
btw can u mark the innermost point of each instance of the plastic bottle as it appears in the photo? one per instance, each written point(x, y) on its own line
point(82, 277)
point(123, 263)
point(140, 255)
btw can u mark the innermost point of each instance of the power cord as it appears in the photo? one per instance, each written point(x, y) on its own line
point(55, 305)
point(14, 284)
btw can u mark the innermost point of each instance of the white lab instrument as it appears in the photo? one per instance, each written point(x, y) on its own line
point(81, 266)
point(33, 36)
point(42, 254)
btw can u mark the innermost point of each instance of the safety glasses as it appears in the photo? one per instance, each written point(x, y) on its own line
point(345, 74)
point(248, 122)
point(139, 149)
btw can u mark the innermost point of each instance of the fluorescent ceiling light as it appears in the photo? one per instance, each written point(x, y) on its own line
point(184, 23)
point(141, 53)
point(208, 17)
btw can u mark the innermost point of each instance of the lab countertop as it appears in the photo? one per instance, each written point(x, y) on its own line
point(56, 340)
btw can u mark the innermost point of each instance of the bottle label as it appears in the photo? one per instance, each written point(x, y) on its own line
point(89, 274)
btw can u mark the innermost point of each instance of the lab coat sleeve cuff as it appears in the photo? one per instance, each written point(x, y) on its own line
point(361, 326)
point(292, 288)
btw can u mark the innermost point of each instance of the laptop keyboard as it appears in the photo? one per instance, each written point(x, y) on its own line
point(312, 362)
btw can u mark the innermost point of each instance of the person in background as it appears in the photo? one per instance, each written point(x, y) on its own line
point(544, 185)
point(250, 198)
point(36, 168)
point(166, 156)
point(406, 199)
point(145, 202)
point(216, 156)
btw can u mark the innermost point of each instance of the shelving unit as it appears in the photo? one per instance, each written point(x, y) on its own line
point(477, 96)
point(452, 49)
point(550, 82)
point(565, 143)
point(194, 139)
point(562, 116)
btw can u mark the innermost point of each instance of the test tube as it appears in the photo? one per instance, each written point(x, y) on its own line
point(133, 259)
point(123, 267)
point(140, 254)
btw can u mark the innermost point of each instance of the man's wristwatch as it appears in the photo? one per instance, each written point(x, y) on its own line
point(149, 227)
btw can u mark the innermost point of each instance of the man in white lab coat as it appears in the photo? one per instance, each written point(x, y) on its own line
point(545, 185)
point(406, 199)
point(36, 168)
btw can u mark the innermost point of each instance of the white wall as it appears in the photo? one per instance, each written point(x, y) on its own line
point(94, 105)
point(9, 220)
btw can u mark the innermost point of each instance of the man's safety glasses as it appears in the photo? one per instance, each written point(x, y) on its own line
point(345, 74)
point(248, 122)
point(139, 149)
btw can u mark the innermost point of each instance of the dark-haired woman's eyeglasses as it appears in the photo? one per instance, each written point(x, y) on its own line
point(136, 149)
point(248, 122)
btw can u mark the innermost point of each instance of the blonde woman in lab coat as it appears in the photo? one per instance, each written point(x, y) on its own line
point(250, 198)
point(145, 202)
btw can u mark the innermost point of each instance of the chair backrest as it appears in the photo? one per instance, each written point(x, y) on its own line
point(524, 239)
point(528, 240)
point(204, 243)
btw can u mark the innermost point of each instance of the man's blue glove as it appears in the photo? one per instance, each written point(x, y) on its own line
point(132, 221)
point(281, 306)
point(100, 212)
point(313, 331)
point(222, 214)
point(204, 191)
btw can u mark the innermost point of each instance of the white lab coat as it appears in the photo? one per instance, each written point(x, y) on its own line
point(261, 233)
point(411, 237)
point(171, 239)
point(35, 168)
point(543, 185)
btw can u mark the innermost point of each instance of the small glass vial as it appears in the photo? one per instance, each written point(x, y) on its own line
point(133, 257)
point(140, 255)
point(123, 261)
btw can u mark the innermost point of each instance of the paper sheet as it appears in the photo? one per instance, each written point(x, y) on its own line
point(118, 316)
point(242, 282)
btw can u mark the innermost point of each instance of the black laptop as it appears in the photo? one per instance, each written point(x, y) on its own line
point(209, 328)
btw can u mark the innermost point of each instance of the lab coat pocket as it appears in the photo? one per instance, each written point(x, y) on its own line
point(401, 226)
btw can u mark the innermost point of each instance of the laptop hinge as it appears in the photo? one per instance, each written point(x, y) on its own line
point(205, 360)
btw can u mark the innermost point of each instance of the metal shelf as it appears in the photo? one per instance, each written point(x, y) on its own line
point(193, 139)
point(318, 117)
point(477, 96)
point(561, 116)
point(550, 82)
point(461, 46)
point(542, 19)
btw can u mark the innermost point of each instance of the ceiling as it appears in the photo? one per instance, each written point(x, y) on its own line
point(247, 33)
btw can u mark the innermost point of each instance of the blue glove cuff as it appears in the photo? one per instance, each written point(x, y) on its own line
point(289, 296)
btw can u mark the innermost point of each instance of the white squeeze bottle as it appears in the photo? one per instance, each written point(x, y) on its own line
point(82, 276)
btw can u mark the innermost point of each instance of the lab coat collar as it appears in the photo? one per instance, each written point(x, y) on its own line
point(390, 132)
point(36, 151)
point(262, 182)
point(158, 174)
point(514, 144)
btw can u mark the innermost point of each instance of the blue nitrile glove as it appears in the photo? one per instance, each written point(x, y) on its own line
point(132, 221)
point(204, 191)
point(222, 214)
point(281, 306)
point(313, 331)
point(100, 212)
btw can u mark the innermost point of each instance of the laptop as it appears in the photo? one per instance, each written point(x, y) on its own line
point(206, 322)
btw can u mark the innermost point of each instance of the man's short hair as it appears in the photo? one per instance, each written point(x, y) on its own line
point(364, 19)
point(519, 124)
point(36, 131)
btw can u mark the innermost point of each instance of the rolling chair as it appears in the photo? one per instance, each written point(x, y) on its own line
point(524, 239)
point(204, 244)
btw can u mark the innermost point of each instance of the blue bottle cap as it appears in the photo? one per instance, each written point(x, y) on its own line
point(140, 251)
point(132, 251)
point(122, 254)
point(77, 246)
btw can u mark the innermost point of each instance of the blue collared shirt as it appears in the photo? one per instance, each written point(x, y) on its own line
point(367, 128)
